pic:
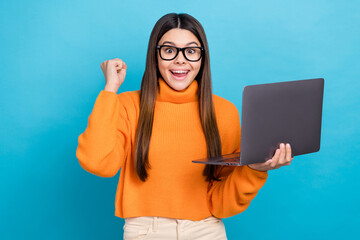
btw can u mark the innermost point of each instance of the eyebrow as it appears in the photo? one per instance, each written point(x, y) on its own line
point(175, 44)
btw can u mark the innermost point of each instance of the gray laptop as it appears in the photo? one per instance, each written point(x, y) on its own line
point(274, 113)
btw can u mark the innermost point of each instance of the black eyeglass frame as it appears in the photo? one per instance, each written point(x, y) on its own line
point(180, 50)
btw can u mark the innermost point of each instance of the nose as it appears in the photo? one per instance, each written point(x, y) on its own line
point(180, 59)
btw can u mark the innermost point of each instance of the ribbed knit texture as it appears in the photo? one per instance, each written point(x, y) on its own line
point(175, 187)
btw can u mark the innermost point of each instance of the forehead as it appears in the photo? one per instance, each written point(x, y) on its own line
point(180, 37)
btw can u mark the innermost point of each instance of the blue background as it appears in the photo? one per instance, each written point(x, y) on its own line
point(50, 77)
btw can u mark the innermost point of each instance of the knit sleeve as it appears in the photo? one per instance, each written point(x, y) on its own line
point(233, 194)
point(239, 184)
point(104, 144)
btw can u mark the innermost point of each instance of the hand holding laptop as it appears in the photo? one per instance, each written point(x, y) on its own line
point(282, 157)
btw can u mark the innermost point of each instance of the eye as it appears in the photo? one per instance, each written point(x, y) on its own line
point(169, 50)
point(190, 50)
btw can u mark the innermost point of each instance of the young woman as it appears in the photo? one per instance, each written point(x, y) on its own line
point(153, 135)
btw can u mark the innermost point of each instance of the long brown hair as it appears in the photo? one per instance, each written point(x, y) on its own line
point(148, 94)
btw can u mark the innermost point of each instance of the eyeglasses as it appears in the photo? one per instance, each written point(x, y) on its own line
point(192, 54)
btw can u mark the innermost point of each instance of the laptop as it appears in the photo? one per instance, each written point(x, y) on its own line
point(274, 113)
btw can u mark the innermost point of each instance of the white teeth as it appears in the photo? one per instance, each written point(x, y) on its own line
point(180, 71)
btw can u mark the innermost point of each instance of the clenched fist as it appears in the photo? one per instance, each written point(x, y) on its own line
point(114, 71)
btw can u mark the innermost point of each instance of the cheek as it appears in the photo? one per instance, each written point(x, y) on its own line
point(163, 66)
point(196, 67)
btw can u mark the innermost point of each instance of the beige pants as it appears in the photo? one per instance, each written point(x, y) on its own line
point(211, 228)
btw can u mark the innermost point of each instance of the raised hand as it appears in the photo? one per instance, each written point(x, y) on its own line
point(114, 71)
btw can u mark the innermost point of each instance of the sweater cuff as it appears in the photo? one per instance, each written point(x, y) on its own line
point(109, 93)
point(259, 174)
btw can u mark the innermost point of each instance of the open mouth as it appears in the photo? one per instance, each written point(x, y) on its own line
point(179, 74)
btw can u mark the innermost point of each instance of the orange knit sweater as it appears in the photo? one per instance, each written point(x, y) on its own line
point(175, 187)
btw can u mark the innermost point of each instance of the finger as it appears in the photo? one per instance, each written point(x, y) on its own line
point(267, 164)
point(121, 65)
point(118, 65)
point(103, 65)
point(122, 73)
point(288, 153)
point(282, 154)
point(264, 166)
point(288, 163)
point(275, 159)
point(117, 62)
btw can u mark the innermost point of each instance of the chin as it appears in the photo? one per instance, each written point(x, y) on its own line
point(178, 85)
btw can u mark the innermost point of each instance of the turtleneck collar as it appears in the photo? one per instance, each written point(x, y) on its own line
point(167, 94)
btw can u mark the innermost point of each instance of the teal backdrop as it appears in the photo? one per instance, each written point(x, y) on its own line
point(50, 77)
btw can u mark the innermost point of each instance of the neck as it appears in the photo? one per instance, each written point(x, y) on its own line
point(167, 94)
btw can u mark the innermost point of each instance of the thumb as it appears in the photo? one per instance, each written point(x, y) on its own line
point(122, 73)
